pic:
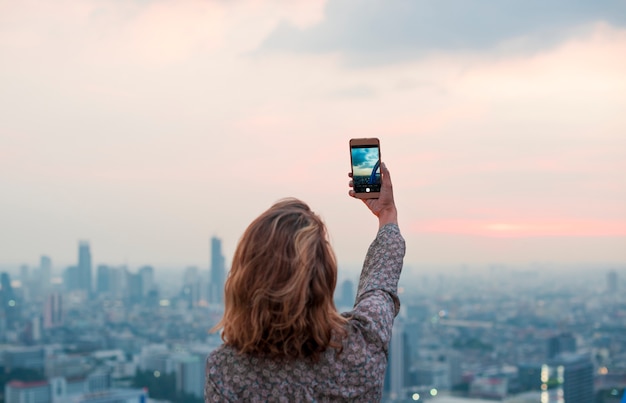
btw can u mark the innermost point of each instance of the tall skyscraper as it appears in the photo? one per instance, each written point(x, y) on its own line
point(561, 343)
point(118, 281)
point(189, 372)
point(347, 294)
point(24, 274)
point(103, 279)
point(9, 301)
point(84, 266)
point(45, 271)
point(147, 279)
point(575, 373)
point(397, 374)
point(218, 272)
point(134, 287)
point(53, 311)
point(192, 283)
point(71, 278)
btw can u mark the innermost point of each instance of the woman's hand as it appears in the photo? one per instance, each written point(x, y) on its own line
point(384, 207)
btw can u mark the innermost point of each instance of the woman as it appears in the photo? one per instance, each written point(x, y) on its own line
point(283, 338)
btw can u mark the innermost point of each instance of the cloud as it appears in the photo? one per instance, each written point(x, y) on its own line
point(363, 158)
point(380, 31)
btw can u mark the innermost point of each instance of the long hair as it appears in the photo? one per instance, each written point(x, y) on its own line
point(278, 298)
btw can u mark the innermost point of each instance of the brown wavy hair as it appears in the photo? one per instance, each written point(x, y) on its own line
point(278, 298)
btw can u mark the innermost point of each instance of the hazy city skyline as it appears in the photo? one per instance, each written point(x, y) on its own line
point(148, 127)
point(497, 334)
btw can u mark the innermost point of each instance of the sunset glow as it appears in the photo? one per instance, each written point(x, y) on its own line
point(565, 228)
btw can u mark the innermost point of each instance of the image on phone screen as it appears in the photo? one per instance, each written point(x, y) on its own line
point(366, 168)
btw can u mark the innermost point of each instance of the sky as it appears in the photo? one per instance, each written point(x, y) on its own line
point(148, 126)
point(364, 160)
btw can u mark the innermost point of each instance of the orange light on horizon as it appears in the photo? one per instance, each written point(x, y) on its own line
point(529, 228)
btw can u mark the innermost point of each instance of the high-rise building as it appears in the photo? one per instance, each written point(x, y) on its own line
point(71, 278)
point(147, 279)
point(191, 291)
point(118, 280)
point(84, 267)
point(112, 280)
point(134, 285)
point(347, 294)
point(575, 373)
point(561, 343)
point(9, 301)
point(218, 272)
point(103, 279)
point(24, 274)
point(3, 324)
point(5, 286)
point(53, 311)
point(529, 375)
point(397, 375)
point(189, 375)
point(45, 272)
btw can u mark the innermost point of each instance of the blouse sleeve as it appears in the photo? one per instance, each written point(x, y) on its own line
point(377, 302)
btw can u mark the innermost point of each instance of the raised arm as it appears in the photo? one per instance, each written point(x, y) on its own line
point(377, 300)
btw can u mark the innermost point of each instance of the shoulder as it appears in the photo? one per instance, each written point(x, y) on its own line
point(223, 374)
point(217, 357)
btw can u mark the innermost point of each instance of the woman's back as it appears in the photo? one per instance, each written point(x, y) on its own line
point(353, 374)
point(357, 373)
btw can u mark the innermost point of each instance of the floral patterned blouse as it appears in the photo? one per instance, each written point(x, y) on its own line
point(357, 374)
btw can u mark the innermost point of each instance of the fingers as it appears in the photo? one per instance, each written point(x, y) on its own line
point(386, 176)
point(385, 171)
point(351, 184)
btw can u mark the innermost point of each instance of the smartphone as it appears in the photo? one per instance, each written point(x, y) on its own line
point(365, 161)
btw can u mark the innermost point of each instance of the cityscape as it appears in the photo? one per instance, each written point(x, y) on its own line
point(99, 333)
point(139, 139)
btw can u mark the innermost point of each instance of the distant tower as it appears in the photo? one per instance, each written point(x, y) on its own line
point(192, 286)
point(53, 311)
point(147, 279)
point(71, 278)
point(218, 272)
point(347, 294)
point(561, 343)
point(9, 301)
point(103, 279)
point(611, 282)
point(84, 266)
point(24, 274)
point(45, 271)
point(397, 374)
point(134, 287)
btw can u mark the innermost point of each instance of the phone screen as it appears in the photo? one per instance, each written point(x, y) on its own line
point(366, 168)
